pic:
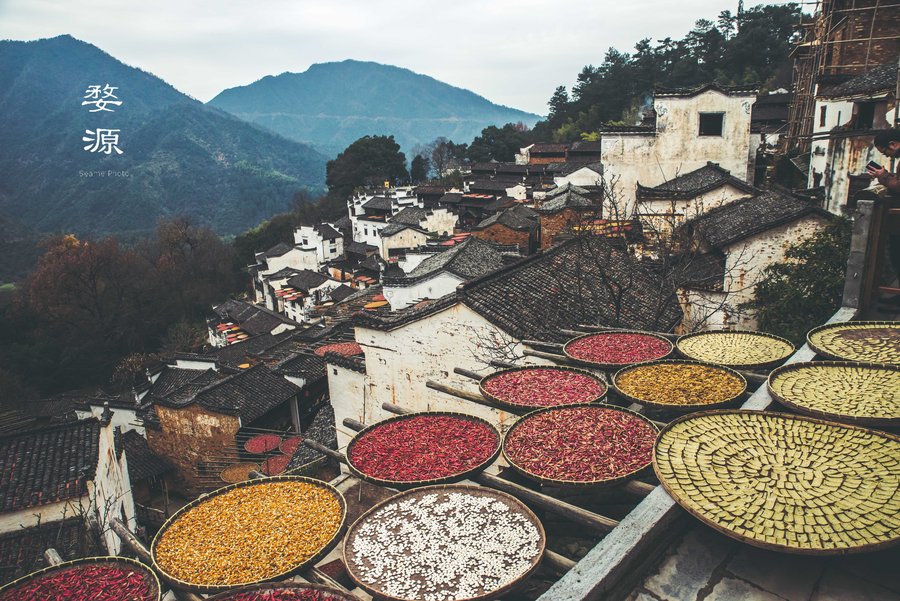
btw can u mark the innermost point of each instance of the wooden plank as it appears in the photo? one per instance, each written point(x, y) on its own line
point(561, 359)
point(556, 562)
point(467, 374)
point(468, 396)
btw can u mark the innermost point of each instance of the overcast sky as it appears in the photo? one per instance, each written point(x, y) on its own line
point(513, 52)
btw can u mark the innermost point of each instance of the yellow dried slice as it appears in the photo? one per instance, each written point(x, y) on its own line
point(784, 482)
point(867, 341)
point(736, 349)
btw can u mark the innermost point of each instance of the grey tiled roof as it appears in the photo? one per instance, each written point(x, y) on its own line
point(379, 203)
point(253, 319)
point(302, 365)
point(471, 258)
point(687, 185)
point(874, 81)
point(343, 223)
point(571, 284)
point(173, 378)
point(517, 217)
point(48, 465)
point(704, 271)
point(143, 463)
point(395, 228)
point(327, 232)
point(410, 216)
point(743, 90)
point(341, 292)
point(568, 199)
point(249, 393)
point(360, 248)
point(451, 198)
point(493, 185)
point(306, 280)
point(747, 217)
point(278, 250)
point(239, 352)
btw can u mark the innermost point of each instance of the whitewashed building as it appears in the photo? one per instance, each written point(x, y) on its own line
point(732, 246)
point(327, 241)
point(691, 127)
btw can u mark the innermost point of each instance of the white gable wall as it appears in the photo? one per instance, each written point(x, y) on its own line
point(440, 284)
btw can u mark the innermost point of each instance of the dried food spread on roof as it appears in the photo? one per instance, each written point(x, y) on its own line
point(48, 465)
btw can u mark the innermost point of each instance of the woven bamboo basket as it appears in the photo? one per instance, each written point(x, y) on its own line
point(845, 391)
point(612, 366)
point(680, 389)
point(739, 349)
point(205, 587)
point(518, 467)
point(520, 406)
point(333, 594)
point(784, 482)
point(123, 562)
point(407, 484)
point(865, 341)
point(514, 505)
point(243, 467)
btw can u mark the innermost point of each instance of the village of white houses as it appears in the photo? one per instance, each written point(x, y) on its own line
point(643, 355)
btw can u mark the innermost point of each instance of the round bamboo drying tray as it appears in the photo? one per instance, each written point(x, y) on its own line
point(784, 482)
point(215, 588)
point(333, 593)
point(846, 391)
point(866, 341)
point(244, 467)
point(739, 349)
point(514, 506)
point(516, 466)
point(406, 484)
point(519, 406)
point(125, 562)
point(673, 406)
point(611, 366)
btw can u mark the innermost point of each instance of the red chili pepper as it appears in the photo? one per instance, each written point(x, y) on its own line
point(88, 582)
point(544, 387)
point(581, 444)
point(423, 447)
point(618, 348)
point(262, 443)
point(348, 349)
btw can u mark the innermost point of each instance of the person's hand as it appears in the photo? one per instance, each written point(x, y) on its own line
point(879, 174)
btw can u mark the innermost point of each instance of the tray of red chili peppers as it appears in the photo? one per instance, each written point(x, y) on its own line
point(580, 445)
point(612, 350)
point(88, 579)
point(535, 387)
point(419, 449)
point(285, 591)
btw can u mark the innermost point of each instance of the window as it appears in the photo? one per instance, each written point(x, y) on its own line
point(823, 110)
point(865, 115)
point(711, 124)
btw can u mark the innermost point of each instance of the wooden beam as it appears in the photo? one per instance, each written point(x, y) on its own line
point(591, 328)
point(467, 374)
point(467, 396)
point(317, 446)
point(552, 356)
point(540, 343)
point(557, 563)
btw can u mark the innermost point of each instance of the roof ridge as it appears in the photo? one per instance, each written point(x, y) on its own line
point(50, 428)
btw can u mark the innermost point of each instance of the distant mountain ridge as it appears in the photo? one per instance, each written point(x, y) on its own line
point(331, 105)
point(180, 157)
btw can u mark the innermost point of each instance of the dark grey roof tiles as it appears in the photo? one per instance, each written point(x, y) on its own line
point(518, 217)
point(48, 465)
point(143, 463)
point(687, 185)
point(468, 259)
point(410, 216)
point(378, 203)
point(306, 280)
point(249, 393)
point(747, 217)
point(875, 81)
point(278, 250)
point(341, 292)
point(327, 232)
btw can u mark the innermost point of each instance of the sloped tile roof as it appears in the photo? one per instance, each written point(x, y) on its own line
point(410, 216)
point(306, 280)
point(253, 319)
point(469, 259)
point(378, 203)
point(142, 462)
point(360, 248)
point(688, 185)
point(742, 90)
point(704, 271)
point(748, 217)
point(278, 250)
point(173, 378)
point(48, 465)
point(571, 284)
point(302, 365)
point(341, 292)
point(568, 199)
point(878, 80)
point(395, 228)
point(517, 217)
point(326, 231)
point(249, 393)
point(22, 550)
point(238, 353)
point(451, 198)
point(343, 223)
